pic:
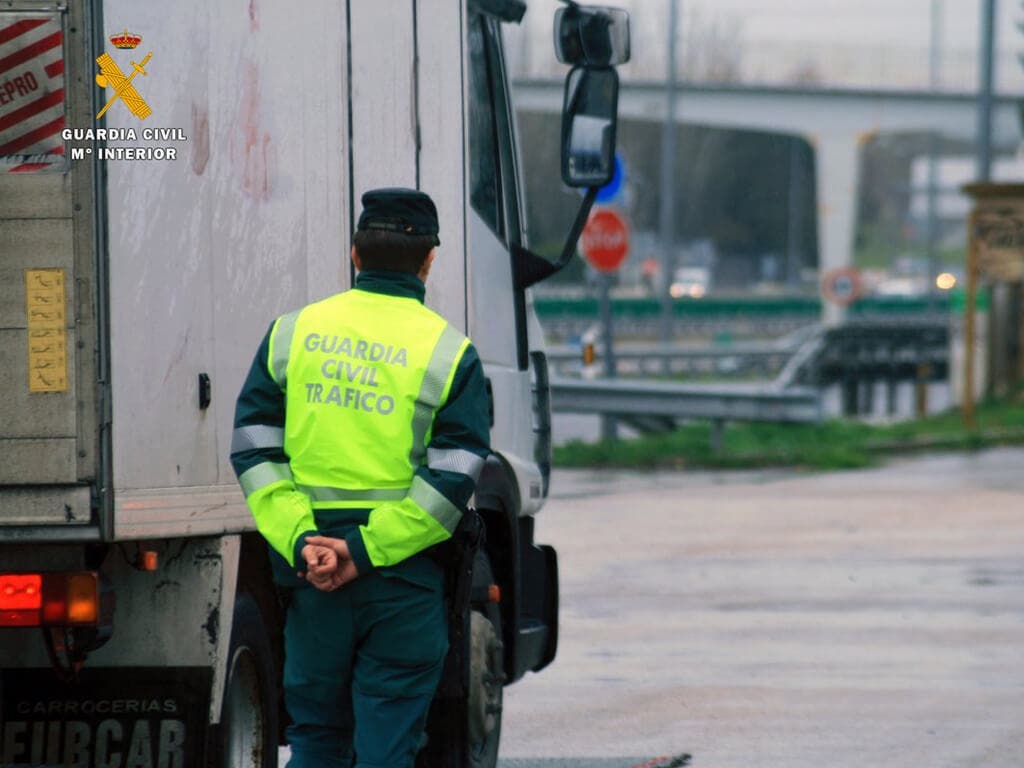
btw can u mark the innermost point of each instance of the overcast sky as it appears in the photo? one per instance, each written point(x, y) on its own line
point(866, 21)
point(862, 42)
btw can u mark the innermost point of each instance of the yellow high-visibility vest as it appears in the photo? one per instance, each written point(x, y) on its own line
point(363, 374)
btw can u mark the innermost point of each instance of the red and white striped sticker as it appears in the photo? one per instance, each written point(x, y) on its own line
point(31, 93)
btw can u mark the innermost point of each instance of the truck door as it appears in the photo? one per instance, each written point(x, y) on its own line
point(498, 318)
point(494, 197)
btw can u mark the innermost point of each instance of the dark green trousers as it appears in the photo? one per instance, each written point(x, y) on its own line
point(361, 667)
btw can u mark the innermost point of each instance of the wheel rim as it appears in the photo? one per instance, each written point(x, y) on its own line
point(245, 726)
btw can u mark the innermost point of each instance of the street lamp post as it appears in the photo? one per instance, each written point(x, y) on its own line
point(668, 181)
point(984, 148)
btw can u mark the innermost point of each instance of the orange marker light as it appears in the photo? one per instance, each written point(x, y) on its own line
point(83, 598)
point(493, 593)
point(148, 560)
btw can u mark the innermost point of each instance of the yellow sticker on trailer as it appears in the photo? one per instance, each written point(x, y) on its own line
point(47, 330)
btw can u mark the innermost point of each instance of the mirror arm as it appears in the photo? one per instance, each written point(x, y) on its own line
point(530, 268)
point(503, 10)
point(577, 229)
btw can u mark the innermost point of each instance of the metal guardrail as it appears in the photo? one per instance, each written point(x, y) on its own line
point(812, 358)
point(654, 359)
point(656, 406)
point(860, 354)
point(803, 357)
point(762, 307)
point(560, 352)
point(669, 401)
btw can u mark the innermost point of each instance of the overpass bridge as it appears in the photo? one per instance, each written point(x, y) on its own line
point(836, 122)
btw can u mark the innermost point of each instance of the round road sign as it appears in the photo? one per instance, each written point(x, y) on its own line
point(841, 286)
point(605, 240)
point(610, 191)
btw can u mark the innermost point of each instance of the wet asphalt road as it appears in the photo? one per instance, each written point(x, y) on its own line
point(866, 618)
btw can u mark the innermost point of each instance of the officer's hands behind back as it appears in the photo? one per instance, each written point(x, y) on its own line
point(328, 563)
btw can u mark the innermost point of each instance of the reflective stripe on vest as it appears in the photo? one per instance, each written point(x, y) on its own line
point(279, 346)
point(455, 460)
point(317, 493)
point(435, 503)
point(433, 387)
point(256, 436)
point(364, 376)
point(262, 475)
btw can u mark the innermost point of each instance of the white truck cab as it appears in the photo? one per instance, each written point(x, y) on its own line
point(172, 178)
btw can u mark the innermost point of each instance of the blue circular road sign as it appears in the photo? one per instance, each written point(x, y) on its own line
point(611, 190)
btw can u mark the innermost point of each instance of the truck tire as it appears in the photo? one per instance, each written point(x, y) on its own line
point(463, 730)
point(247, 734)
point(486, 675)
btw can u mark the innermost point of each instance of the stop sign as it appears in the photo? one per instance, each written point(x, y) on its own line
point(605, 240)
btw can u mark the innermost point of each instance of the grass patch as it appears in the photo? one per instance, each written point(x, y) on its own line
point(835, 444)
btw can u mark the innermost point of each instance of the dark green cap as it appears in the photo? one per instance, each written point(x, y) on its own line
point(396, 209)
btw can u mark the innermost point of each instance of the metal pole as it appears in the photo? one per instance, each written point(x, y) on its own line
point(967, 405)
point(934, 63)
point(930, 224)
point(793, 220)
point(985, 66)
point(984, 171)
point(668, 181)
point(609, 426)
point(935, 45)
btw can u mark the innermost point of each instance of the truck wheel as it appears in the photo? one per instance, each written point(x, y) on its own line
point(486, 675)
point(247, 734)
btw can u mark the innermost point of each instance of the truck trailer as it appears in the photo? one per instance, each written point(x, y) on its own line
point(172, 178)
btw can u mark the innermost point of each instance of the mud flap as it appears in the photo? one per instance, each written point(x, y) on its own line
point(550, 605)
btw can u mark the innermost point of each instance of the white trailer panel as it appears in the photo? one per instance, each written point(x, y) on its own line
point(442, 159)
point(251, 221)
point(383, 96)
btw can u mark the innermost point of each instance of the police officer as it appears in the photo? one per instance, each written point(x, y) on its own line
point(360, 433)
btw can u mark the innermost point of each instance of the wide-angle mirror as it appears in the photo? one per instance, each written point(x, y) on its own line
point(589, 119)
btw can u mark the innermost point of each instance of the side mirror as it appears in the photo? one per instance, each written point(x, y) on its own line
point(593, 40)
point(589, 119)
point(587, 34)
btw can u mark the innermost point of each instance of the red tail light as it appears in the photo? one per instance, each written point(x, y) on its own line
point(47, 599)
point(21, 591)
point(21, 596)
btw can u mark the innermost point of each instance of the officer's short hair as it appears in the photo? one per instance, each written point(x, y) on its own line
point(392, 251)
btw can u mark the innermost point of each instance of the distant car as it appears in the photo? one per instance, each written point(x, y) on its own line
point(692, 282)
point(902, 287)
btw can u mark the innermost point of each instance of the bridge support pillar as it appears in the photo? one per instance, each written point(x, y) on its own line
point(837, 158)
